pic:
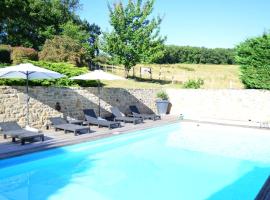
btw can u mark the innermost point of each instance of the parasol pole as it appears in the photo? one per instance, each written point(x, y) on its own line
point(27, 99)
point(98, 97)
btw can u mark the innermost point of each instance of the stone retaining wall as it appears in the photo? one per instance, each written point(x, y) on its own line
point(222, 104)
point(72, 101)
point(218, 104)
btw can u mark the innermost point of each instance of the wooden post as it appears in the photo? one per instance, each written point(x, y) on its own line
point(133, 68)
point(150, 73)
point(172, 72)
point(140, 72)
point(159, 75)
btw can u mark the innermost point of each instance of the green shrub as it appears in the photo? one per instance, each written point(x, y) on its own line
point(254, 57)
point(67, 69)
point(194, 84)
point(21, 54)
point(162, 95)
point(4, 65)
point(63, 49)
point(5, 53)
point(101, 59)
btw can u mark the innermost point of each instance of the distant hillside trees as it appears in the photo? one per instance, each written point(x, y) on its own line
point(196, 55)
point(254, 57)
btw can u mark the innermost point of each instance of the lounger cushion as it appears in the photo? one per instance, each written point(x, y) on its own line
point(120, 116)
point(136, 113)
point(91, 118)
point(72, 127)
point(9, 126)
point(58, 120)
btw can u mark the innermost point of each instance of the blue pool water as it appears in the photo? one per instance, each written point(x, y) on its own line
point(135, 166)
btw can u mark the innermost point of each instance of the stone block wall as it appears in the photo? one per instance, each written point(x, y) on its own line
point(218, 104)
point(222, 104)
point(72, 101)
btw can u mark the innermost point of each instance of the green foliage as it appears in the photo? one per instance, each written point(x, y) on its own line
point(162, 95)
point(30, 23)
point(20, 54)
point(134, 38)
point(194, 84)
point(85, 34)
point(63, 49)
point(4, 65)
point(196, 55)
point(64, 68)
point(74, 31)
point(5, 53)
point(101, 59)
point(254, 57)
point(67, 69)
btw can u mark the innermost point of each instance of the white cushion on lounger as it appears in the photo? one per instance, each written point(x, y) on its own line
point(28, 128)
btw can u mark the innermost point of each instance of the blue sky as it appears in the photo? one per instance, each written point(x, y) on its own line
point(209, 23)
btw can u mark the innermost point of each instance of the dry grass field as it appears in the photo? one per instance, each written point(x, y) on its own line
point(174, 76)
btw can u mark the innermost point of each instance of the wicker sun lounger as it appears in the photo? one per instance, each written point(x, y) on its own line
point(61, 124)
point(13, 130)
point(91, 118)
point(121, 117)
point(136, 113)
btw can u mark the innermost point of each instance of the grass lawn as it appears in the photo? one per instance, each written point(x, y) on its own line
point(214, 76)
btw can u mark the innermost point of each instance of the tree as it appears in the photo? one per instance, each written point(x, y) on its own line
point(84, 33)
point(30, 22)
point(63, 49)
point(134, 38)
point(254, 57)
point(197, 55)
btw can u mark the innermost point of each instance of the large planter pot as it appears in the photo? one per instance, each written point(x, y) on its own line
point(162, 106)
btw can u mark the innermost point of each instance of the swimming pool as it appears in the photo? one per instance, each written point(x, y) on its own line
point(158, 163)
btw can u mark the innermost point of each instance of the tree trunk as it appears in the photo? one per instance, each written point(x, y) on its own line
point(133, 75)
point(126, 72)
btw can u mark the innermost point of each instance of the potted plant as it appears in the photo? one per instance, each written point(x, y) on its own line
point(162, 102)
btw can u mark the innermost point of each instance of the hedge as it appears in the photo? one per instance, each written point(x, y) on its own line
point(5, 53)
point(254, 57)
point(20, 54)
point(67, 69)
point(63, 49)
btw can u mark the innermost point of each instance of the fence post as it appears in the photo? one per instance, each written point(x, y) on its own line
point(172, 72)
point(159, 75)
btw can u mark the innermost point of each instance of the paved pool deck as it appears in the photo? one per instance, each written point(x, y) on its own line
point(58, 139)
point(55, 139)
